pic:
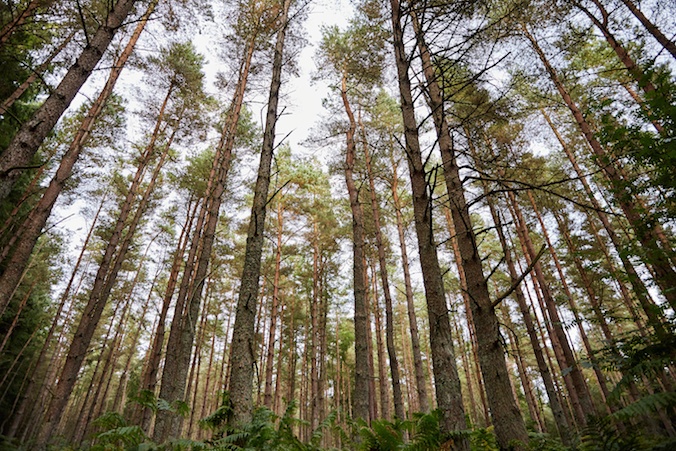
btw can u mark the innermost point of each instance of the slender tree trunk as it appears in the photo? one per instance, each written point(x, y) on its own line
point(380, 349)
point(651, 27)
point(103, 284)
point(421, 384)
point(20, 19)
point(652, 312)
point(181, 336)
point(34, 389)
point(600, 377)
point(579, 386)
point(242, 351)
point(557, 410)
point(447, 383)
point(18, 155)
point(385, 282)
point(360, 408)
point(267, 396)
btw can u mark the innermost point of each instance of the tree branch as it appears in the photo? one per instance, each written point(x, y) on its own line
point(520, 279)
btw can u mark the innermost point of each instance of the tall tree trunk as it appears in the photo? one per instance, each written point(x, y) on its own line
point(579, 389)
point(360, 407)
point(652, 312)
point(509, 426)
point(35, 74)
point(447, 383)
point(34, 389)
point(380, 349)
point(29, 232)
point(385, 282)
point(18, 155)
point(600, 377)
point(20, 19)
point(142, 416)
point(651, 27)
point(560, 420)
point(267, 394)
point(421, 383)
point(242, 351)
point(181, 335)
point(644, 226)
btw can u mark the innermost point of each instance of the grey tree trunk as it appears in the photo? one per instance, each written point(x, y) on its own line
point(243, 341)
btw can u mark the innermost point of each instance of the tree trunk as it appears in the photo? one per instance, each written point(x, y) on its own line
point(105, 278)
point(560, 420)
point(37, 72)
point(447, 383)
point(18, 155)
point(360, 407)
point(242, 351)
point(385, 282)
point(652, 312)
point(421, 383)
point(267, 394)
point(20, 19)
point(181, 335)
point(509, 426)
point(651, 27)
point(579, 389)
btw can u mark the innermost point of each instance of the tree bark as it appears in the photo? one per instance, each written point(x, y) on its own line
point(360, 407)
point(385, 282)
point(651, 27)
point(105, 278)
point(421, 383)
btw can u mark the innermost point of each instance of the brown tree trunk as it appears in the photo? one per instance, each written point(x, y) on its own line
point(181, 335)
point(267, 396)
point(106, 276)
point(651, 27)
point(560, 420)
point(447, 383)
point(34, 389)
point(242, 351)
point(652, 312)
point(380, 349)
point(18, 155)
point(28, 234)
point(385, 282)
point(142, 416)
point(509, 426)
point(421, 383)
point(600, 377)
point(20, 19)
point(578, 390)
point(360, 407)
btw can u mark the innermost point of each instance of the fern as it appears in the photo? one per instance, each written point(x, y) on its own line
point(125, 437)
point(647, 405)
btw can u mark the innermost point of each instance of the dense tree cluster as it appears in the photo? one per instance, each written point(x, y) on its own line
point(473, 249)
